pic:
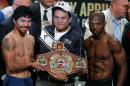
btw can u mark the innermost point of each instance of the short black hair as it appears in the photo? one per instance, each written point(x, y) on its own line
point(21, 11)
point(58, 8)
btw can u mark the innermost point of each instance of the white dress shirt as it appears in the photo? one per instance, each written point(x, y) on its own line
point(49, 14)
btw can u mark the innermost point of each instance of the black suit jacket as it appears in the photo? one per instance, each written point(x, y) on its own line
point(126, 40)
point(36, 15)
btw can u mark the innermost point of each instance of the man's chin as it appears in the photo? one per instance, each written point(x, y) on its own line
point(24, 32)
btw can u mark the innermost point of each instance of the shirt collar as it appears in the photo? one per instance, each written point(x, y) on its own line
point(62, 32)
point(49, 10)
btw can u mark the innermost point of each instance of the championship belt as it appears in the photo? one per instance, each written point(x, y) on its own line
point(62, 61)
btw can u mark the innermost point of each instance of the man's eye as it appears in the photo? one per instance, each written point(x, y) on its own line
point(62, 18)
point(90, 24)
point(22, 20)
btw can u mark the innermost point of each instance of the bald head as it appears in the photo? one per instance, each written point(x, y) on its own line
point(122, 2)
point(119, 8)
point(98, 14)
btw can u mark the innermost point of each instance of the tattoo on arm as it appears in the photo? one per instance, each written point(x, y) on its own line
point(7, 45)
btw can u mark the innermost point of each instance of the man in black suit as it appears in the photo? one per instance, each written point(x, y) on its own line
point(38, 11)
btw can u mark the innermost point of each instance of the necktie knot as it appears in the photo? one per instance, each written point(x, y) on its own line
point(45, 16)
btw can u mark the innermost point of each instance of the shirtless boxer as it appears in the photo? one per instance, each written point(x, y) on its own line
point(103, 50)
point(18, 50)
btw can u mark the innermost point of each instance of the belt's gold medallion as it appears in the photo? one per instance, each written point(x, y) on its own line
point(63, 63)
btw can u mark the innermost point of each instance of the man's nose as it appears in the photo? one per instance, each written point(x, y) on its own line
point(94, 26)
